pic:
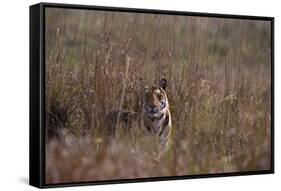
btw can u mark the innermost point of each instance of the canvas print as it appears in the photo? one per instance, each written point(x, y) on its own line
point(133, 95)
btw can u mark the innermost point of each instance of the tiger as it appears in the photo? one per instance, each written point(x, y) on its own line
point(155, 115)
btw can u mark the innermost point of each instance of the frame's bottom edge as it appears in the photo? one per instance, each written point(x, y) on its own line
point(153, 179)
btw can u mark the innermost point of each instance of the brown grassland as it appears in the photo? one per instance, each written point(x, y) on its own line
point(219, 88)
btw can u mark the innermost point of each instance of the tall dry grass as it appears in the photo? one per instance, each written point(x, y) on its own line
point(219, 75)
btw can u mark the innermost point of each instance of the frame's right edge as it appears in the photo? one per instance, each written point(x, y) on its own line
point(35, 170)
point(272, 96)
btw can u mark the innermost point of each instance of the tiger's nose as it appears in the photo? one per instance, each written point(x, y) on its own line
point(153, 108)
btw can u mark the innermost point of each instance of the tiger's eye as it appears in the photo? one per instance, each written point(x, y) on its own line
point(162, 103)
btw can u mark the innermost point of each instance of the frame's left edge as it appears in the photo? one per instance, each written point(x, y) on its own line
point(35, 127)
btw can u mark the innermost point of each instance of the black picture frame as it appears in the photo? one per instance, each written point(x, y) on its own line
point(37, 96)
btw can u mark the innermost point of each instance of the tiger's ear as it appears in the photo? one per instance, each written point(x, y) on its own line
point(163, 84)
point(146, 88)
point(144, 92)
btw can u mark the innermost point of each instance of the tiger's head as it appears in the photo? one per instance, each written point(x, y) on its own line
point(155, 101)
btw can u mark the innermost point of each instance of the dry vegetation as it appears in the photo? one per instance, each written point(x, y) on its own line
point(219, 91)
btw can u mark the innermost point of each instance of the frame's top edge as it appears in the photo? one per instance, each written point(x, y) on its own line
point(154, 11)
